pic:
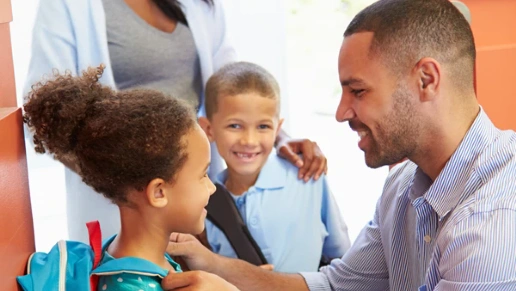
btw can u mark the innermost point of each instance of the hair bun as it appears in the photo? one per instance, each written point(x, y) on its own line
point(55, 109)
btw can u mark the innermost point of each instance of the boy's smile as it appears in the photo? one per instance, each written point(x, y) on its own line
point(244, 128)
point(246, 157)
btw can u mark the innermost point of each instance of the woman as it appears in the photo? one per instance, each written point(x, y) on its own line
point(168, 45)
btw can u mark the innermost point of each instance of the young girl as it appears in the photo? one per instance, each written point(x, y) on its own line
point(139, 148)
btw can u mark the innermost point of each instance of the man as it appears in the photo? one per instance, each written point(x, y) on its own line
point(447, 217)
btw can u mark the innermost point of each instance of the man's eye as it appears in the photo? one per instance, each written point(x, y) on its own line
point(357, 92)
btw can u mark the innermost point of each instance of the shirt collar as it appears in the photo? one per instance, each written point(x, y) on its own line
point(131, 264)
point(273, 174)
point(457, 180)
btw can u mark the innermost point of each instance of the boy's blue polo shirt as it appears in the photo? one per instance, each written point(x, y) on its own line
point(293, 222)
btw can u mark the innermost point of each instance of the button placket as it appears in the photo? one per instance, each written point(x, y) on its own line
point(426, 227)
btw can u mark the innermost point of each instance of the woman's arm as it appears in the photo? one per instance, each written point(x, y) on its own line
point(53, 42)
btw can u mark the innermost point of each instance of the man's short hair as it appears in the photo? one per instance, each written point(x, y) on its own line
point(239, 78)
point(407, 30)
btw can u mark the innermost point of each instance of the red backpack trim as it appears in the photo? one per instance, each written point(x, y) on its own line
point(96, 244)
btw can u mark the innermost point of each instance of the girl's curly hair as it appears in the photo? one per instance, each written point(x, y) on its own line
point(119, 140)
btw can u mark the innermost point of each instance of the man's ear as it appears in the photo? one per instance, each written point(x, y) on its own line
point(155, 193)
point(206, 127)
point(428, 73)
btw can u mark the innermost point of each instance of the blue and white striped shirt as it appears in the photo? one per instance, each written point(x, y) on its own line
point(455, 234)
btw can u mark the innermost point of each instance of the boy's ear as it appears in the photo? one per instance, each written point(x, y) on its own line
point(280, 123)
point(206, 127)
point(155, 193)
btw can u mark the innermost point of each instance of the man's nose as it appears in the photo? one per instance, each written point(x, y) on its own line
point(345, 110)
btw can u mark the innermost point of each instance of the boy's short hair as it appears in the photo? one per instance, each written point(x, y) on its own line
point(239, 78)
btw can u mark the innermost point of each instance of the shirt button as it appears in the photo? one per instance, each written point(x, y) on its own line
point(427, 238)
point(254, 221)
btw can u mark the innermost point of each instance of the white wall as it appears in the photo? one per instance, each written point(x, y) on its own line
point(46, 176)
point(24, 12)
point(258, 32)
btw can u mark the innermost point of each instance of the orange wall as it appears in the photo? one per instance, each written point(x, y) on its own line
point(17, 231)
point(7, 85)
point(17, 235)
point(494, 28)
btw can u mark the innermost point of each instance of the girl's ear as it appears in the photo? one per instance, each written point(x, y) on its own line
point(155, 193)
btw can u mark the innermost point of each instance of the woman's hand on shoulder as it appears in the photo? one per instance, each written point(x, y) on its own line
point(312, 164)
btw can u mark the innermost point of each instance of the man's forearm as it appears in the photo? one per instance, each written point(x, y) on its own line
point(248, 277)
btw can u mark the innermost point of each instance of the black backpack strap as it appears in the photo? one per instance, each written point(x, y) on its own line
point(224, 214)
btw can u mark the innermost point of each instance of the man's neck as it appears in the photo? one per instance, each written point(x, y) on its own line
point(433, 156)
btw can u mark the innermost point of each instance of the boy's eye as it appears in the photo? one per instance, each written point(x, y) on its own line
point(264, 126)
point(236, 126)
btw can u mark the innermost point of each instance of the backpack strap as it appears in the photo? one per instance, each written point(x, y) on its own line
point(95, 235)
point(224, 214)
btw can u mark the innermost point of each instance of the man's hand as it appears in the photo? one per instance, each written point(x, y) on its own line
point(240, 273)
point(268, 267)
point(192, 252)
point(203, 239)
point(314, 162)
point(195, 281)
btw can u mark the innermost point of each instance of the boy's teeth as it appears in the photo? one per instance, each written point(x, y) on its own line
point(241, 155)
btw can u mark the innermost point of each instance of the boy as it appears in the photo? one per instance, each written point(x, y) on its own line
point(294, 223)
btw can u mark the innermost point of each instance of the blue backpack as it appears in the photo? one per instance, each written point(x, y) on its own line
point(75, 266)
